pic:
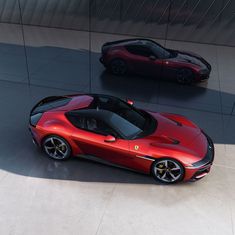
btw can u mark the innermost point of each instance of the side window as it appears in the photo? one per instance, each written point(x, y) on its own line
point(98, 127)
point(77, 121)
point(89, 123)
point(139, 50)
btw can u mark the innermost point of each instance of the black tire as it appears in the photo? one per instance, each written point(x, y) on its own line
point(185, 76)
point(118, 67)
point(164, 174)
point(56, 147)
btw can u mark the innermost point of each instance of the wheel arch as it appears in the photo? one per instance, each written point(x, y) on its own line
point(193, 70)
point(75, 150)
point(192, 67)
point(117, 58)
point(168, 157)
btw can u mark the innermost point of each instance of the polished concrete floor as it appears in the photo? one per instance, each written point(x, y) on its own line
point(42, 196)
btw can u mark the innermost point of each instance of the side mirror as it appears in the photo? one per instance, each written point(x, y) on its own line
point(109, 139)
point(152, 57)
point(130, 102)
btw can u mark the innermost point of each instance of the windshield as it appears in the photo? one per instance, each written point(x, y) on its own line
point(159, 51)
point(131, 122)
point(123, 126)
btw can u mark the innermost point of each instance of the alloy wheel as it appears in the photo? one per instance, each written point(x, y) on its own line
point(184, 76)
point(118, 67)
point(56, 148)
point(168, 171)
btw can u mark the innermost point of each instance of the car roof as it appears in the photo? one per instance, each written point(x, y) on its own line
point(100, 114)
point(103, 115)
point(133, 41)
point(80, 101)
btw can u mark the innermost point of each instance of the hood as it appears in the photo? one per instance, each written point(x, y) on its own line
point(185, 57)
point(184, 132)
point(178, 138)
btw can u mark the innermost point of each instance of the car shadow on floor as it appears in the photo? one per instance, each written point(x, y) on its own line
point(32, 162)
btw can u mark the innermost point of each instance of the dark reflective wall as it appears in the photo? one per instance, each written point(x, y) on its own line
point(207, 21)
point(72, 14)
point(48, 55)
point(57, 43)
point(12, 54)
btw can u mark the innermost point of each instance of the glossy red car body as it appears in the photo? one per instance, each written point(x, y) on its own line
point(175, 137)
point(141, 59)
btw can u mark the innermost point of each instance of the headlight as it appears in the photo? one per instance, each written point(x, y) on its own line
point(203, 71)
point(34, 119)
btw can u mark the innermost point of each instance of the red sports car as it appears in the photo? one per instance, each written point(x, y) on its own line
point(146, 57)
point(168, 146)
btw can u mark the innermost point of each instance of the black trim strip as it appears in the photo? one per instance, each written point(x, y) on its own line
point(209, 157)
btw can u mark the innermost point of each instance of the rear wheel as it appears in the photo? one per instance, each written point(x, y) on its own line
point(185, 76)
point(167, 171)
point(56, 147)
point(118, 67)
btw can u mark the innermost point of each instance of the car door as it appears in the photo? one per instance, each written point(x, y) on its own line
point(144, 61)
point(91, 139)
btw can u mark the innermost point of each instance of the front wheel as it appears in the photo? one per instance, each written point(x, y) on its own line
point(56, 147)
point(167, 171)
point(185, 76)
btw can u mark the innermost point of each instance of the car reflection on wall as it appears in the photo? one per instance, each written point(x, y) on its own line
point(146, 57)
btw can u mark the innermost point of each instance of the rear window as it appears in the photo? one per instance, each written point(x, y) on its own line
point(50, 103)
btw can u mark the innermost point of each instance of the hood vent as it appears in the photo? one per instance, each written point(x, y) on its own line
point(174, 141)
point(177, 123)
point(165, 140)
